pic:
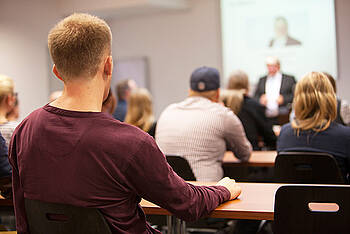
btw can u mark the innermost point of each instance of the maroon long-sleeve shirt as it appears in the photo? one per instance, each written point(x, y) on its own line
point(89, 159)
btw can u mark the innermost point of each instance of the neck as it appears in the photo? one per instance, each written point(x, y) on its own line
point(81, 95)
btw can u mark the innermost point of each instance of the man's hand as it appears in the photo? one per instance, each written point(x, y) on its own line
point(280, 100)
point(263, 100)
point(231, 185)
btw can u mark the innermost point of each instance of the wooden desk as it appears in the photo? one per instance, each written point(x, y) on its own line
point(257, 159)
point(255, 202)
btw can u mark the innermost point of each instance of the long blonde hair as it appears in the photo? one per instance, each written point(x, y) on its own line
point(140, 111)
point(6, 86)
point(233, 99)
point(315, 103)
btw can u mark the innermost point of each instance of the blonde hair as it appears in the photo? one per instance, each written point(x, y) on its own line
point(238, 80)
point(6, 87)
point(315, 103)
point(77, 45)
point(233, 99)
point(140, 113)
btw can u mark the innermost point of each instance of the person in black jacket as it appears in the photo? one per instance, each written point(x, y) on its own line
point(275, 90)
point(252, 115)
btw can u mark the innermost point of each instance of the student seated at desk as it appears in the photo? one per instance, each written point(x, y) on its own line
point(140, 111)
point(72, 153)
point(314, 128)
point(200, 129)
point(249, 111)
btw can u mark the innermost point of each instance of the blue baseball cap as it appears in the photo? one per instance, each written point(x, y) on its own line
point(205, 79)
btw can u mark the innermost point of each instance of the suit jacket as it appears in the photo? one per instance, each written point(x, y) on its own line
point(290, 42)
point(286, 90)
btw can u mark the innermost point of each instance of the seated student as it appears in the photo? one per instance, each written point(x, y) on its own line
point(109, 104)
point(249, 111)
point(200, 129)
point(7, 103)
point(314, 128)
point(139, 112)
point(123, 90)
point(343, 107)
point(70, 152)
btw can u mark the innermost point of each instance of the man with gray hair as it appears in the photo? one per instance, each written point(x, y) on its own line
point(275, 91)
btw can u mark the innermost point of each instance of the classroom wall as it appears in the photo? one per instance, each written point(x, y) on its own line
point(175, 44)
point(24, 26)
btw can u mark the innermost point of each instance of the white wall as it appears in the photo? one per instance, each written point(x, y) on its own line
point(24, 26)
point(175, 43)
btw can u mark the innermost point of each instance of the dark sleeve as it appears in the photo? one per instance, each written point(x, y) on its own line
point(289, 92)
point(258, 90)
point(151, 177)
point(5, 168)
point(18, 194)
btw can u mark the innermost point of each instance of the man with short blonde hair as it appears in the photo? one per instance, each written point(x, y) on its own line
point(72, 153)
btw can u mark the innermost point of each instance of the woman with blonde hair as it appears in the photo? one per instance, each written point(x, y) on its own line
point(249, 111)
point(140, 112)
point(7, 103)
point(314, 128)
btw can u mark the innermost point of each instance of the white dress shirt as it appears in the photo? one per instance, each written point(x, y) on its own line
point(272, 90)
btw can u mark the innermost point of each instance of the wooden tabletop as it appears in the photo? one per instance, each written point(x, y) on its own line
point(255, 202)
point(257, 159)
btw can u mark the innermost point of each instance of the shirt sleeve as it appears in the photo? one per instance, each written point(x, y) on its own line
point(345, 112)
point(235, 137)
point(151, 177)
point(18, 194)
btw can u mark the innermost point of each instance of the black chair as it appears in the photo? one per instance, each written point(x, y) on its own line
point(299, 209)
point(181, 166)
point(307, 168)
point(45, 217)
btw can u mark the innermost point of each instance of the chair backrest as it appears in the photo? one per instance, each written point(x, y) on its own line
point(181, 166)
point(307, 168)
point(307, 209)
point(53, 218)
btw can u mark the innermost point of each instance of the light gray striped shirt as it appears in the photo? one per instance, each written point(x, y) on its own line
point(200, 130)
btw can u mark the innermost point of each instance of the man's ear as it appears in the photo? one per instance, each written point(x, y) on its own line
point(108, 66)
point(54, 70)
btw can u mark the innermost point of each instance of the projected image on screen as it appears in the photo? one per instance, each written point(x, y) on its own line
point(300, 33)
point(282, 37)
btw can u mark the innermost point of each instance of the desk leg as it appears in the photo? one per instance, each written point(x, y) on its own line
point(171, 224)
point(175, 225)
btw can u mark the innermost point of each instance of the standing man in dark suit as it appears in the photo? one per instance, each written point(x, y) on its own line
point(275, 91)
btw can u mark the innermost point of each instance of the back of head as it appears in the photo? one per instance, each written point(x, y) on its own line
point(314, 103)
point(140, 111)
point(6, 87)
point(77, 45)
point(332, 80)
point(238, 80)
point(122, 88)
point(233, 99)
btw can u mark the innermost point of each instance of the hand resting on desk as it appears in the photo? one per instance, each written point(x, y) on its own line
point(231, 185)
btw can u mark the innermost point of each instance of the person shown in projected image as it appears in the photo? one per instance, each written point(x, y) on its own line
point(282, 37)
